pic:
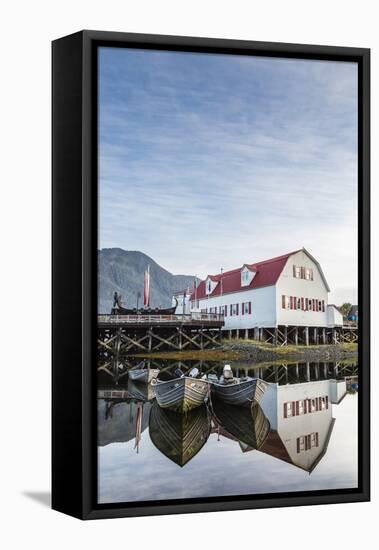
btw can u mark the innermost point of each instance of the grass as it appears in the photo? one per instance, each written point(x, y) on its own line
point(226, 352)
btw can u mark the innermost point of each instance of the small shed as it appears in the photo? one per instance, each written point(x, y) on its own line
point(335, 317)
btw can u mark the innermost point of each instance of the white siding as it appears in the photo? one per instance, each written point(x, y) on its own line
point(262, 307)
point(289, 285)
point(183, 304)
point(335, 317)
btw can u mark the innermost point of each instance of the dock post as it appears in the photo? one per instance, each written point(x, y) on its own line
point(296, 337)
point(306, 334)
point(315, 336)
point(230, 334)
point(275, 336)
point(150, 341)
point(297, 371)
point(237, 333)
point(285, 330)
point(246, 333)
point(324, 336)
point(308, 371)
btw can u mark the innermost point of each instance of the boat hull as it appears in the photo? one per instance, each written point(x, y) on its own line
point(179, 436)
point(240, 394)
point(248, 426)
point(143, 375)
point(181, 395)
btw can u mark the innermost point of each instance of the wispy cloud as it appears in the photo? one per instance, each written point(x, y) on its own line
point(210, 161)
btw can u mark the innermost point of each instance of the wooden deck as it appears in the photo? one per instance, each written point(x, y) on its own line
point(128, 334)
point(192, 320)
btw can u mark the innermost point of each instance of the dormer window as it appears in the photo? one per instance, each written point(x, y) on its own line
point(210, 285)
point(247, 275)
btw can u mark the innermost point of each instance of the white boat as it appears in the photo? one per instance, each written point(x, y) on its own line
point(143, 375)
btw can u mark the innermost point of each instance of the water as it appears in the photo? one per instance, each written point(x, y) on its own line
point(146, 453)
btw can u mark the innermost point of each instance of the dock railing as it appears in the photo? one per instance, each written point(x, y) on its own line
point(154, 319)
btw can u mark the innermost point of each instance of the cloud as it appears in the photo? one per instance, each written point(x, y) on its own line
point(210, 161)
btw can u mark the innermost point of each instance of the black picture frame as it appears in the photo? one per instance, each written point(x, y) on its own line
point(74, 271)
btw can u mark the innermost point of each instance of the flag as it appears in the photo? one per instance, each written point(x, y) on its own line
point(146, 288)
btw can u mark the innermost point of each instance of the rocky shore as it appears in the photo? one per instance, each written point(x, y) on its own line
point(259, 352)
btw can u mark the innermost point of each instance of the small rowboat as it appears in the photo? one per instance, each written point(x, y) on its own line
point(243, 392)
point(240, 391)
point(143, 375)
point(179, 436)
point(182, 394)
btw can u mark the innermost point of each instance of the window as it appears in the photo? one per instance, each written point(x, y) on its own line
point(300, 443)
point(303, 273)
point(233, 309)
point(287, 409)
point(245, 277)
point(306, 442)
point(246, 308)
point(304, 406)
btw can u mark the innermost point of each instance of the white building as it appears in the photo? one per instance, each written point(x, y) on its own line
point(182, 301)
point(290, 290)
point(335, 317)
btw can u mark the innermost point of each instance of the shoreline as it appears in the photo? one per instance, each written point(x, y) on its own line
point(259, 352)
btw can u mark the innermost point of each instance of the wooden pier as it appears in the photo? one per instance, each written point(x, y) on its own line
point(297, 335)
point(128, 334)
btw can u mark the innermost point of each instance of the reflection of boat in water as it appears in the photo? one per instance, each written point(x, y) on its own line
point(249, 426)
point(181, 394)
point(179, 437)
point(242, 392)
point(142, 392)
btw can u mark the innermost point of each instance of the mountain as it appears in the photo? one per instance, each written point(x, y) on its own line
point(123, 271)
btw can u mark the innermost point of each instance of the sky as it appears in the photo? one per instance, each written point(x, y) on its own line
point(210, 161)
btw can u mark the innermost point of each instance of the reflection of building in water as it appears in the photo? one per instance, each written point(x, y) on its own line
point(301, 420)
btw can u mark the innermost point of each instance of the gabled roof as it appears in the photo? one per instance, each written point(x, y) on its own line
point(267, 274)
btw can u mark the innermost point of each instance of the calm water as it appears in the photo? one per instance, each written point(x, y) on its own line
point(146, 453)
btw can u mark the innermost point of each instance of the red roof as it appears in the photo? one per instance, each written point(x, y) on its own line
point(267, 273)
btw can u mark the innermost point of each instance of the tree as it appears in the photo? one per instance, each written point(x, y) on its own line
point(345, 308)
